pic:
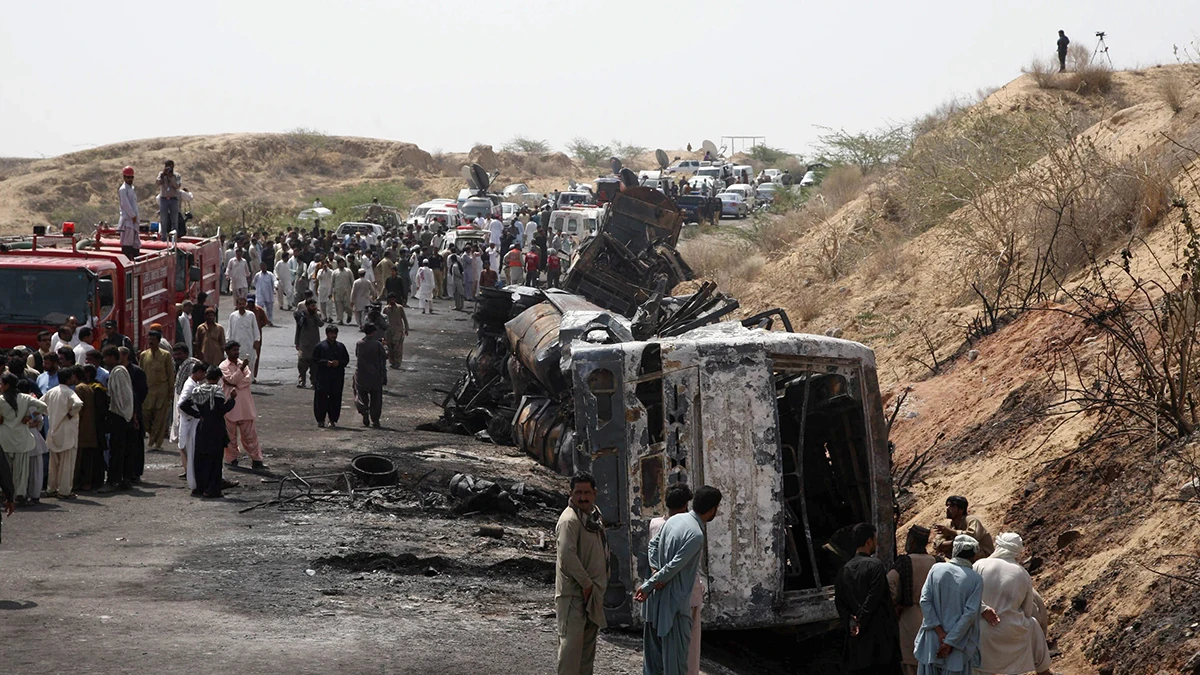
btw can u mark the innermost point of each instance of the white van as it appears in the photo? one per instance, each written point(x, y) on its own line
point(372, 232)
point(578, 222)
point(743, 173)
point(447, 214)
point(476, 207)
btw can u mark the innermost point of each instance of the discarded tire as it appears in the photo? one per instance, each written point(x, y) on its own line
point(374, 470)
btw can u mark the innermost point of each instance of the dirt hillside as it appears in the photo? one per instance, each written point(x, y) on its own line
point(1097, 517)
point(274, 170)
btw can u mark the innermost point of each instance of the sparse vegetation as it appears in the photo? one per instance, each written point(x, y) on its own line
point(1084, 76)
point(588, 152)
point(769, 156)
point(1172, 90)
point(870, 151)
point(627, 152)
point(526, 145)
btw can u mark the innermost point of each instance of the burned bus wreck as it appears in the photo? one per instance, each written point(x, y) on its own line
point(789, 427)
point(644, 390)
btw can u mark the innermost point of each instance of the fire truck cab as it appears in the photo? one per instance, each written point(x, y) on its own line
point(51, 280)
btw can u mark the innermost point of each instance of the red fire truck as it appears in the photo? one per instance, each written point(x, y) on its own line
point(197, 261)
point(44, 279)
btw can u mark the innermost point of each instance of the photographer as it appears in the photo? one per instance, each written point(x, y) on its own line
point(169, 188)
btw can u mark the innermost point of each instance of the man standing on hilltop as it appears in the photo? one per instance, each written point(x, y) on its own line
point(127, 228)
point(1063, 41)
point(168, 183)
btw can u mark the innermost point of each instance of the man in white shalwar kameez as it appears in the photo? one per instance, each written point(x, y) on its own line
point(238, 272)
point(243, 329)
point(187, 423)
point(1010, 640)
point(62, 412)
point(283, 279)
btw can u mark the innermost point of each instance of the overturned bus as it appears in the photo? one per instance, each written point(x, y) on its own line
point(788, 426)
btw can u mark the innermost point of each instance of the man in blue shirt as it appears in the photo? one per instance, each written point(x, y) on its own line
point(49, 378)
point(675, 556)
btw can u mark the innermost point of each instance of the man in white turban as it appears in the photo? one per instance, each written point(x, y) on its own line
point(1010, 639)
point(948, 642)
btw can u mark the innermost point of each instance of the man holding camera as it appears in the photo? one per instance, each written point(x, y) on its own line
point(169, 188)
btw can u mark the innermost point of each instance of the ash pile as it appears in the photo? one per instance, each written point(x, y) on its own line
point(518, 385)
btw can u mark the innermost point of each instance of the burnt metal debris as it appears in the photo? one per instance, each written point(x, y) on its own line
point(517, 386)
point(614, 376)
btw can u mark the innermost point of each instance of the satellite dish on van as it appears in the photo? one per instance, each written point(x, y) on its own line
point(481, 177)
point(662, 158)
point(708, 147)
point(615, 164)
point(469, 177)
point(628, 177)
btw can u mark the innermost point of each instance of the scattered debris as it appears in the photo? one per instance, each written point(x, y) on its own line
point(477, 495)
point(494, 531)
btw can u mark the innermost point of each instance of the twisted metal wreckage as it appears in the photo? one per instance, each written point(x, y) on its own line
point(613, 376)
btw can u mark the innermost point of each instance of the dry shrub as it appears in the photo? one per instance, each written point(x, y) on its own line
point(1042, 72)
point(413, 183)
point(730, 265)
point(842, 185)
point(839, 247)
point(1093, 79)
point(889, 260)
point(807, 305)
point(1172, 89)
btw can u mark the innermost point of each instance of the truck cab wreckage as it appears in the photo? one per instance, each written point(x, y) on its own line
point(612, 376)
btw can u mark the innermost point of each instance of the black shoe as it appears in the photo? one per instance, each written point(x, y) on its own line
point(232, 464)
point(333, 425)
point(125, 485)
point(366, 422)
point(375, 424)
point(197, 493)
point(106, 488)
point(320, 425)
point(258, 466)
point(136, 479)
point(212, 496)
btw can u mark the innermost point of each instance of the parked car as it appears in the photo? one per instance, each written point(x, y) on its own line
point(465, 194)
point(686, 167)
point(371, 231)
point(772, 175)
point(566, 199)
point(508, 210)
point(699, 209)
point(464, 235)
point(516, 189)
point(747, 192)
point(530, 199)
point(476, 207)
point(732, 204)
point(767, 192)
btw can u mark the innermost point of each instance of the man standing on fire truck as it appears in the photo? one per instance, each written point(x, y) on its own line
point(131, 243)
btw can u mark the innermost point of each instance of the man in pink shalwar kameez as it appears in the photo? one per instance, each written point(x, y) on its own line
point(240, 421)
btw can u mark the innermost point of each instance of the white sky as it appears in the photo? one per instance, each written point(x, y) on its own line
point(445, 74)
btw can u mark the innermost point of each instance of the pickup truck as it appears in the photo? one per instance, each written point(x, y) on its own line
point(698, 209)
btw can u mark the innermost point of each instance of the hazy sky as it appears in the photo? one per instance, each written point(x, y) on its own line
point(446, 74)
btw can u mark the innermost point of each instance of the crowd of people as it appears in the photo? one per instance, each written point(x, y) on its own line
point(966, 606)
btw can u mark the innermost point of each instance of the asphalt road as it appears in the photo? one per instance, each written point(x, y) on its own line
point(154, 580)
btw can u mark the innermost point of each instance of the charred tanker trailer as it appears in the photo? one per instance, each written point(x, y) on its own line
point(643, 390)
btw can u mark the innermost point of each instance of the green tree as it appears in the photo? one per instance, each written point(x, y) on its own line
point(526, 145)
point(588, 152)
point(868, 150)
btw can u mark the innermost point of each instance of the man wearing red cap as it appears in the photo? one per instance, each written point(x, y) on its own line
point(131, 243)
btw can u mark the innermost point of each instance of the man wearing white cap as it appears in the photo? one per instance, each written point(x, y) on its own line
point(1010, 639)
point(951, 601)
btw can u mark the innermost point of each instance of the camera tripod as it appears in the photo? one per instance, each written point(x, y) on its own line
point(1102, 48)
